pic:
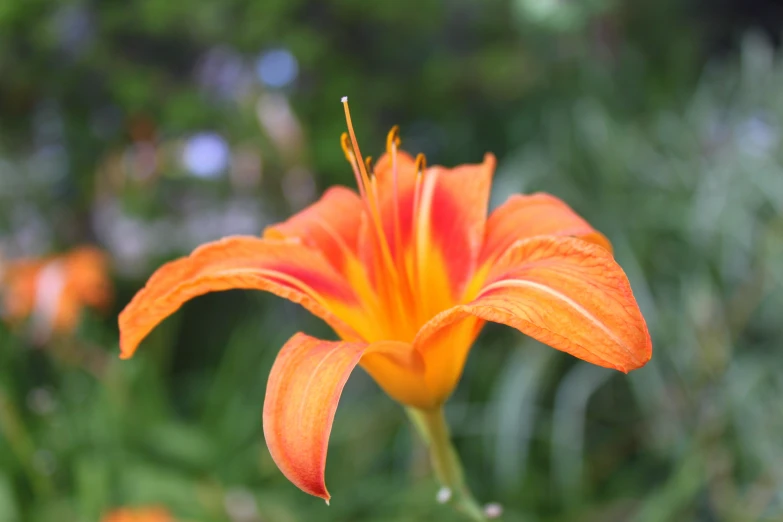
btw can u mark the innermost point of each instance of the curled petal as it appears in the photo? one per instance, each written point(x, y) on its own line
point(565, 292)
point(301, 399)
point(304, 388)
point(525, 216)
point(286, 269)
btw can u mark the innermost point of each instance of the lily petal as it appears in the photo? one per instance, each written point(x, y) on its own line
point(304, 388)
point(457, 215)
point(399, 370)
point(329, 225)
point(19, 287)
point(444, 226)
point(88, 276)
point(286, 269)
point(301, 399)
point(565, 292)
point(540, 214)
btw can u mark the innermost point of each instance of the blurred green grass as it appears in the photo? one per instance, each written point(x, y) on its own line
point(677, 160)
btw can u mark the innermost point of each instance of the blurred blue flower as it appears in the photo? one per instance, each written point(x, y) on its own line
point(206, 155)
point(277, 68)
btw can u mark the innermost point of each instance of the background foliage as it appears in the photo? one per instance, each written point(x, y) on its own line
point(661, 122)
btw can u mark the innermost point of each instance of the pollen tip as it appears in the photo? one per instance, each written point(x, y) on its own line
point(344, 99)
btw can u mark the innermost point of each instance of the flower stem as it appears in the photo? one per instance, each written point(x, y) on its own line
point(432, 426)
point(12, 428)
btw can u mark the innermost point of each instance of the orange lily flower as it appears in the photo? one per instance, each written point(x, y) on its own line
point(53, 291)
point(406, 272)
point(148, 514)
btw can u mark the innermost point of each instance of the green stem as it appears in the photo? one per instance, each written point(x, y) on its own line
point(13, 430)
point(432, 426)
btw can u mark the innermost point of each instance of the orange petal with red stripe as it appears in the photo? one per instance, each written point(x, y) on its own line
point(525, 216)
point(330, 225)
point(286, 269)
point(456, 211)
point(441, 214)
point(301, 399)
point(564, 292)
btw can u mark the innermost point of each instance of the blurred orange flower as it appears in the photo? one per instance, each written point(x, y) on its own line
point(407, 272)
point(147, 514)
point(52, 291)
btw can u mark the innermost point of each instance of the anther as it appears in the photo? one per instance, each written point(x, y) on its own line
point(368, 164)
point(393, 138)
point(421, 163)
point(345, 143)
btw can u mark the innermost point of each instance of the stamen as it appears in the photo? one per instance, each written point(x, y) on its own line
point(421, 163)
point(421, 168)
point(356, 152)
point(392, 142)
point(345, 143)
point(368, 164)
point(393, 138)
point(372, 203)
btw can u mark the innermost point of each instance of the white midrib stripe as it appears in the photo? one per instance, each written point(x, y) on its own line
point(559, 295)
